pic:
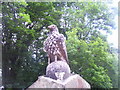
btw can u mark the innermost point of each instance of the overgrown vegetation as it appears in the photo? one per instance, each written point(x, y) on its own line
point(24, 30)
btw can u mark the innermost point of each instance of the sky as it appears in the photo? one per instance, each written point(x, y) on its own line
point(114, 37)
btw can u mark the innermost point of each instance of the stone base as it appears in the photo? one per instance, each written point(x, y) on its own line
point(74, 81)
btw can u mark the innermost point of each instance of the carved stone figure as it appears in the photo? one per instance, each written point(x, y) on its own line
point(58, 70)
point(55, 46)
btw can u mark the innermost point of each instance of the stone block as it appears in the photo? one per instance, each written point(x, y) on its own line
point(74, 81)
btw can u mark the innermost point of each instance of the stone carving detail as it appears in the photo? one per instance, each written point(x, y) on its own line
point(58, 70)
point(55, 46)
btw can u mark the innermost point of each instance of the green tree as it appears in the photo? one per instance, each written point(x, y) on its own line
point(25, 29)
point(90, 60)
point(88, 50)
point(23, 35)
point(16, 40)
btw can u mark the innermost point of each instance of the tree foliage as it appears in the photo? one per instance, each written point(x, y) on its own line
point(25, 28)
point(88, 49)
point(16, 40)
point(90, 60)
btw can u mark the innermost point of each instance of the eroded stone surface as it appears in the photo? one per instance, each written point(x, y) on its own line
point(74, 81)
point(58, 70)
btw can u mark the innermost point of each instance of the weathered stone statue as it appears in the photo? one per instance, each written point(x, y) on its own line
point(55, 46)
point(58, 73)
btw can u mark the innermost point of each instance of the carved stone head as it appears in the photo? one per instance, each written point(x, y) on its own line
point(53, 28)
